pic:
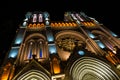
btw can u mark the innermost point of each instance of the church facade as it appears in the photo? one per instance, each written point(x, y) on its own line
point(78, 48)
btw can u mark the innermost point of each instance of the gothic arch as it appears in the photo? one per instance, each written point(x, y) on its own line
point(97, 32)
point(66, 41)
point(34, 44)
point(89, 68)
point(104, 38)
point(34, 75)
point(70, 32)
point(35, 34)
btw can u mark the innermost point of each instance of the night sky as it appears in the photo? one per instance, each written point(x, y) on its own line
point(13, 13)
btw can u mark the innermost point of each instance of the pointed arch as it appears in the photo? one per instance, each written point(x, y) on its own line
point(89, 67)
point(66, 42)
point(38, 48)
point(33, 35)
point(104, 38)
point(34, 74)
point(70, 32)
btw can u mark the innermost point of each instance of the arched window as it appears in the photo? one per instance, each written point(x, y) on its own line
point(40, 18)
point(30, 50)
point(34, 18)
point(55, 66)
point(34, 44)
point(40, 49)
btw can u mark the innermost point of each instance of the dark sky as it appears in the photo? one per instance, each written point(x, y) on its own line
point(13, 13)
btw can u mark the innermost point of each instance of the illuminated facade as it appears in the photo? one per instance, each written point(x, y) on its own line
point(78, 48)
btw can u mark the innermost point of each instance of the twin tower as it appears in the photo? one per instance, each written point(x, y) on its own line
point(78, 48)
